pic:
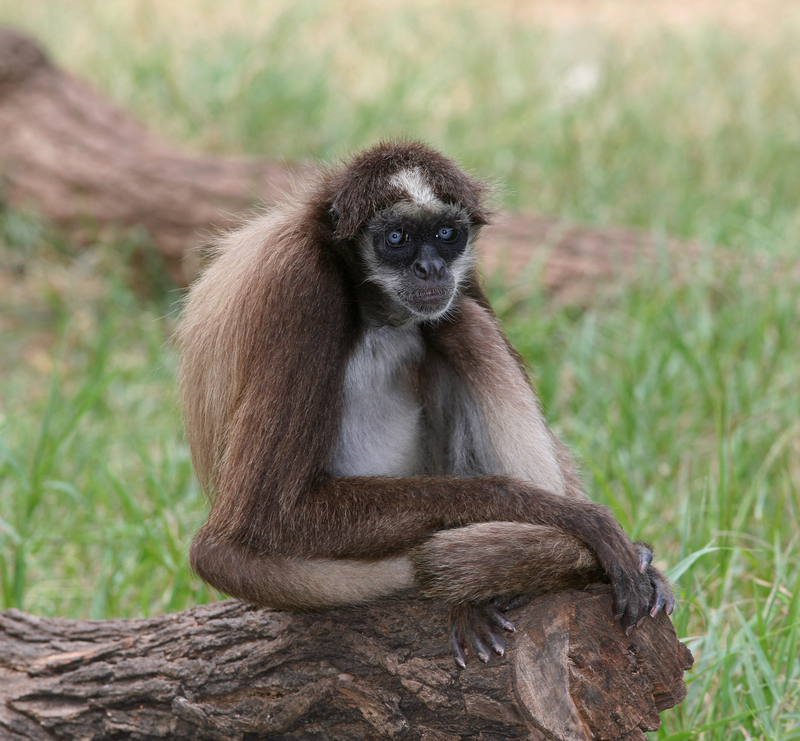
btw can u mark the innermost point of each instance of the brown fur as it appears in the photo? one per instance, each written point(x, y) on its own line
point(481, 561)
point(363, 188)
point(265, 340)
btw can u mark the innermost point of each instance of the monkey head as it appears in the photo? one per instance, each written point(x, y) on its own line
point(408, 217)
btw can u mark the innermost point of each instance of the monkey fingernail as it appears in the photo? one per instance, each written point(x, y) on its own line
point(458, 646)
point(641, 620)
point(629, 630)
point(505, 625)
point(481, 649)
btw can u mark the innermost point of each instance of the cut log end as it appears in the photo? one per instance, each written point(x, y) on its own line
point(581, 677)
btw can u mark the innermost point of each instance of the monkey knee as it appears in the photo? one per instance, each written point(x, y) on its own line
point(472, 563)
point(209, 560)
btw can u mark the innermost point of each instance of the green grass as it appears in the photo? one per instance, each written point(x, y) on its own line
point(680, 398)
point(683, 403)
point(690, 132)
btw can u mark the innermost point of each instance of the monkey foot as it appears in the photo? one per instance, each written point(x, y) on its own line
point(509, 602)
point(477, 626)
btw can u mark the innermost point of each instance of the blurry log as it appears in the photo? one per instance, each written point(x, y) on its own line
point(84, 163)
point(232, 671)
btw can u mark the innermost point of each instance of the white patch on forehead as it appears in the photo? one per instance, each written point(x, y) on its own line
point(413, 182)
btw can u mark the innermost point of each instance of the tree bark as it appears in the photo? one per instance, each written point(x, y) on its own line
point(234, 672)
point(87, 165)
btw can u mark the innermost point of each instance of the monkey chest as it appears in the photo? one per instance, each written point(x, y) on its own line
point(381, 428)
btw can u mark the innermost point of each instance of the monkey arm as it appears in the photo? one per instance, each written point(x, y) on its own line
point(372, 519)
point(378, 517)
point(476, 348)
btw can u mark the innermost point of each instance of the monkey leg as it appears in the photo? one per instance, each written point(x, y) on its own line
point(471, 566)
point(296, 583)
point(486, 560)
point(487, 568)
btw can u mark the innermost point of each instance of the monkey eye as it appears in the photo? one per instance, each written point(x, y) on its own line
point(396, 237)
point(447, 234)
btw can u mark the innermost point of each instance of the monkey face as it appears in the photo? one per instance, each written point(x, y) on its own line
point(418, 255)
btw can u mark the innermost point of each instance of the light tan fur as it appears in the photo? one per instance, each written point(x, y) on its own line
point(413, 182)
point(211, 372)
point(522, 442)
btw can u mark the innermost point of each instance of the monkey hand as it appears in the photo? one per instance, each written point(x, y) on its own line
point(477, 626)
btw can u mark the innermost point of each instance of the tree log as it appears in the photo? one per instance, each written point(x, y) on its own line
point(86, 164)
point(233, 671)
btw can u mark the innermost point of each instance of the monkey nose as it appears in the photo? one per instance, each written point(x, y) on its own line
point(429, 269)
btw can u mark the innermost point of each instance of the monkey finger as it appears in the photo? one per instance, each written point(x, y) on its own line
point(508, 602)
point(458, 646)
point(659, 603)
point(632, 600)
point(498, 619)
point(645, 556)
point(497, 642)
point(621, 595)
point(661, 597)
point(504, 602)
point(481, 649)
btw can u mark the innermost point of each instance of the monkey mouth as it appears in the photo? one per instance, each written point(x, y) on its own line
point(430, 300)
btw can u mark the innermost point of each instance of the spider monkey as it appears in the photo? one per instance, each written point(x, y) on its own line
point(363, 425)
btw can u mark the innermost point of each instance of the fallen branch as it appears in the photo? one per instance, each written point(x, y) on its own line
point(86, 164)
point(231, 671)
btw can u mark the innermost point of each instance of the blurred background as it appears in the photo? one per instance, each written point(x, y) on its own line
point(680, 396)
